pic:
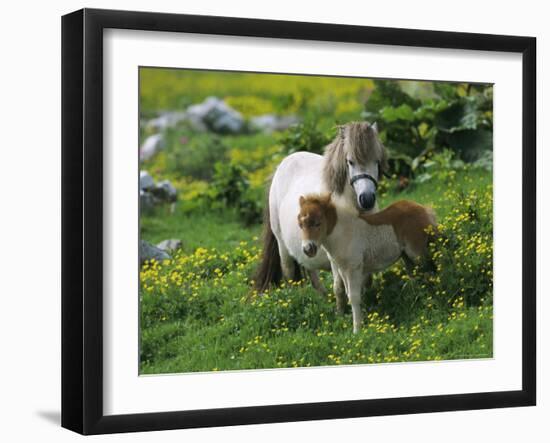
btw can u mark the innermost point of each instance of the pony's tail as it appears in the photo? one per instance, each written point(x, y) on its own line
point(270, 270)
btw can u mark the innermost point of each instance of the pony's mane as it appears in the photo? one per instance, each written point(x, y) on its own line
point(359, 135)
point(363, 134)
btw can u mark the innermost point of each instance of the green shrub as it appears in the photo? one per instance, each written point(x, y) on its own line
point(305, 136)
point(453, 116)
point(230, 188)
point(197, 157)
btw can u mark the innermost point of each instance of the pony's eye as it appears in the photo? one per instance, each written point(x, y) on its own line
point(350, 162)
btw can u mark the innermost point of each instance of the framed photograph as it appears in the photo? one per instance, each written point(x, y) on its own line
point(269, 221)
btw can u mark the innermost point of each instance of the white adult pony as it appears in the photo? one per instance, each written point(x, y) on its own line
point(349, 170)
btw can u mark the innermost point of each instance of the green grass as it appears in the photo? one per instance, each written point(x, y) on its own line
point(221, 230)
point(199, 313)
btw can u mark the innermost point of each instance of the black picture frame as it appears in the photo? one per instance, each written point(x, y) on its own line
point(82, 218)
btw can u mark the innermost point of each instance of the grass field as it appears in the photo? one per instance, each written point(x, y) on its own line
point(199, 312)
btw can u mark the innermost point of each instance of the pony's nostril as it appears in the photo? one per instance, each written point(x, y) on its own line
point(367, 200)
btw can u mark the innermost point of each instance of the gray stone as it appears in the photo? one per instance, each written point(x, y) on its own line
point(170, 245)
point(151, 146)
point(149, 252)
point(201, 110)
point(226, 123)
point(271, 123)
point(217, 116)
point(165, 191)
point(146, 182)
point(147, 201)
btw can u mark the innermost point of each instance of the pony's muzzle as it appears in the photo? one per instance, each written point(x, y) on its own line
point(310, 249)
point(367, 200)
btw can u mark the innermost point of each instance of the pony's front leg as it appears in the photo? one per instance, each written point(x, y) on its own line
point(288, 265)
point(355, 286)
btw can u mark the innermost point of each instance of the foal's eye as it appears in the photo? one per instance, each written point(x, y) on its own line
point(350, 162)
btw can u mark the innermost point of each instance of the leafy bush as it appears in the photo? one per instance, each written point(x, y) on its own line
point(457, 117)
point(305, 136)
point(230, 188)
point(196, 156)
point(444, 165)
point(189, 155)
point(228, 185)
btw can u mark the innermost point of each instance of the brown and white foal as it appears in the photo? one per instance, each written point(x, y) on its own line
point(359, 244)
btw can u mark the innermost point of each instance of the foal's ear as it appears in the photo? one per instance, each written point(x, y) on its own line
point(302, 200)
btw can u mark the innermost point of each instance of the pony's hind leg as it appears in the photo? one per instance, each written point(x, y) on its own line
point(316, 282)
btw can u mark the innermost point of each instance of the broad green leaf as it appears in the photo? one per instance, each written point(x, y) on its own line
point(403, 112)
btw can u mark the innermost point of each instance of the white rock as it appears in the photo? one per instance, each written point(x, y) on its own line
point(151, 146)
point(166, 120)
point(171, 244)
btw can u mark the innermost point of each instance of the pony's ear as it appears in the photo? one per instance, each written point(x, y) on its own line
point(374, 127)
point(302, 200)
point(341, 130)
point(335, 172)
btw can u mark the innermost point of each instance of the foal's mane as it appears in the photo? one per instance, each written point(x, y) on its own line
point(359, 135)
point(322, 200)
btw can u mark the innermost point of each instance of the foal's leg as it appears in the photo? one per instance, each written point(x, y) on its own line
point(409, 262)
point(339, 290)
point(355, 286)
point(314, 276)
